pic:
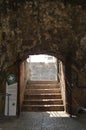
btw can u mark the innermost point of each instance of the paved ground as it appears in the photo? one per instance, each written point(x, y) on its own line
point(44, 121)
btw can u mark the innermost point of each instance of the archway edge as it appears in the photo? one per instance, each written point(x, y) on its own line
point(24, 56)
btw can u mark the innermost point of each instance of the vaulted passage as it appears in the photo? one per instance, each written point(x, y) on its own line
point(43, 91)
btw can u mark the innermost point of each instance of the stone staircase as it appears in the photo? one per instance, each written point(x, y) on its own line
point(42, 97)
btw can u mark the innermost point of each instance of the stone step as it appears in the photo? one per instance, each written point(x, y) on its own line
point(37, 108)
point(43, 102)
point(43, 96)
point(42, 86)
point(42, 82)
point(39, 91)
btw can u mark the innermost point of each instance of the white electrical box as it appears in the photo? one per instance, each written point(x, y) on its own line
point(11, 97)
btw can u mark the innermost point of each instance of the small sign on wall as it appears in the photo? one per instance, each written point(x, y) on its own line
point(11, 79)
point(11, 95)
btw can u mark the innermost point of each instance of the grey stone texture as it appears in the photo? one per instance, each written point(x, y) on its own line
point(44, 121)
point(43, 71)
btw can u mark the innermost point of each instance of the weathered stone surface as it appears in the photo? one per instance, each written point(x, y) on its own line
point(36, 27)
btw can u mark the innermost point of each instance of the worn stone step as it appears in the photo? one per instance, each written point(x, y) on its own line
point(42, 86)
point(38, 91)
point(42, 82)
point(43, 96)
point(43, 102)
point(43, 108)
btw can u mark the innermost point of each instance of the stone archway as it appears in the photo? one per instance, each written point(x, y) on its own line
point(60, 84)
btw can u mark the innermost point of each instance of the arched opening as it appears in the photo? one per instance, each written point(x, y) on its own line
point(43, 84)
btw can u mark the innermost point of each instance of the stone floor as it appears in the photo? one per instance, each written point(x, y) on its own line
point(44, 121)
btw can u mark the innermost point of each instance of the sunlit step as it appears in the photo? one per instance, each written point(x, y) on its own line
point(43, 102)
point(43, 108)
point(43, 96)
point(38, 91)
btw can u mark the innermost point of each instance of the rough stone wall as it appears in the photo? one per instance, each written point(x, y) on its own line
point(78, 99)
point(45, 26)
point(55, 27)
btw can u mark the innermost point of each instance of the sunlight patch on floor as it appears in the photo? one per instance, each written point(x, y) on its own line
point(58, 114)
